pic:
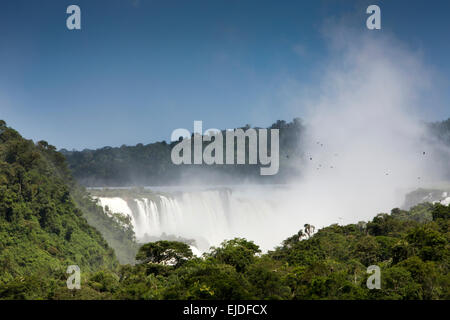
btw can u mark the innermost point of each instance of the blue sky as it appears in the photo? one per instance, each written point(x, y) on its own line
point(139, 69)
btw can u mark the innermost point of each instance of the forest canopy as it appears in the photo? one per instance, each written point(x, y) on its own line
point(150, 164)
point(48, 222)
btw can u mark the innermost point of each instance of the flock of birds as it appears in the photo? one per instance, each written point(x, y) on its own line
point(320, 165)
point(332, 167)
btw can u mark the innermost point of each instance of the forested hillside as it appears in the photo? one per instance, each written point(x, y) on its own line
point(151, 164)
point(410, 247)
point(43, 226)
point(43, 229)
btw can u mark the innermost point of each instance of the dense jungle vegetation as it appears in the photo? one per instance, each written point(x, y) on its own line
point(46, 220)
point(410, 247)
point(47, 223)
point(150, 165)
point(144, 165)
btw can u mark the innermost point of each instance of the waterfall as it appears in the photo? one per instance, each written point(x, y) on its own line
point(264, 214)
point(208, 217)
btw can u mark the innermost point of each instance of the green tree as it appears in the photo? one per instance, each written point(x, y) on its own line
point(164, 252)
point(237, 252)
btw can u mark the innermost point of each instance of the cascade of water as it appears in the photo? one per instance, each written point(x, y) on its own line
point(209, 217)
point(118, 205)
point(265, 215)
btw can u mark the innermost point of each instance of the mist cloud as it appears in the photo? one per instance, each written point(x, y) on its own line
point(365, 147)
point(366, 144)
point(366, 140)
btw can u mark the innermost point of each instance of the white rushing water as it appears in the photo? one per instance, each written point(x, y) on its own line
point(206, 216)
point(264, 214)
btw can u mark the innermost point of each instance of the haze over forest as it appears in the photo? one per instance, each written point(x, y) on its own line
point(364, 150)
